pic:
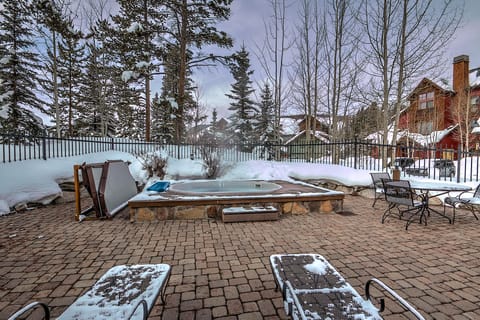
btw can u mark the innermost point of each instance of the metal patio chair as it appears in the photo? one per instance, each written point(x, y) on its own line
point(378, 185)
point(467, 200)
point(399, 195)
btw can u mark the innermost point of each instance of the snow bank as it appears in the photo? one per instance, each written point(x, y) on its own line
point(35, 181)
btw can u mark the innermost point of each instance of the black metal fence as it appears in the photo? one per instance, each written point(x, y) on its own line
point(456, 165)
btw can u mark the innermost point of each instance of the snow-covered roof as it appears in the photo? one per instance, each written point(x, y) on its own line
point(476, 128)
point(289, 126)
point(445, 84)
point(474, 77)
point(322, 136)
point(423, 140)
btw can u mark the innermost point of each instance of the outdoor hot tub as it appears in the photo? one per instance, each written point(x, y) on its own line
point(208, 198)
point(224, 186)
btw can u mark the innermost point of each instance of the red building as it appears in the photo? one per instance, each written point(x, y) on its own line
point(440, 111)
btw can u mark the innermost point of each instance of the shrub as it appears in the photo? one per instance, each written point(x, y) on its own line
point(155, 163)
point(211, 162)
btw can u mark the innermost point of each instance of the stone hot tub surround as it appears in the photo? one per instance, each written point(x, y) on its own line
point(291, 198)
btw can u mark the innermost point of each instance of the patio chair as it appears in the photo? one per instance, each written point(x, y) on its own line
point(378, 185)
point(399, 195)
point(311, 286)
point(471, 203)
point(123, 292)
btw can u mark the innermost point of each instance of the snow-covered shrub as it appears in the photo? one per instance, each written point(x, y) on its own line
point(155, 163)
point(211, 162)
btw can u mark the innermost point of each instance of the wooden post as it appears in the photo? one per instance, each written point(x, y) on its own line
point(396, 174)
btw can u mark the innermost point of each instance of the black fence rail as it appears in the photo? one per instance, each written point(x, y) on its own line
point(437, 163)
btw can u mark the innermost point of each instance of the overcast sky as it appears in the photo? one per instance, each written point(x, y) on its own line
point(246, 25)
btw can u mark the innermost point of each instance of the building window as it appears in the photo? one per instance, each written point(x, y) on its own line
point(425, 100)
point(474, 103)
point(425, 127)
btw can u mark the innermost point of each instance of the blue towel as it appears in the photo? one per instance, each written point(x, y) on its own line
point(159, 186)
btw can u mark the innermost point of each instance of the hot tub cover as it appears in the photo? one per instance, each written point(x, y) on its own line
point(159, 186)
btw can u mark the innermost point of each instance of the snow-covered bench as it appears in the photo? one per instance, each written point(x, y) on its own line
point(118, 294)
point(313, 289)
point(247, 213)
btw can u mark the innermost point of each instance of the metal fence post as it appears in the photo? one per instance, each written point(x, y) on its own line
point(44, 146)
point(112, 145)
point(355, 152)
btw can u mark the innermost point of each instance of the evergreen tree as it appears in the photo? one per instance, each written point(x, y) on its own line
point(266, 122)
point(214, 126)
point(129, 104)
point(52, 25)
point(364, 122)
point(98, 113)
point(171, 67)
point(242, 107)
point(163, 129)
point(191, 25)
point(134, 38)
point(19, 67)
point(71, 69)
point(130, 113)
point(88, 123)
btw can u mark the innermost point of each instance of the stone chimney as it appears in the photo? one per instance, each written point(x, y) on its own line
point(460, 73)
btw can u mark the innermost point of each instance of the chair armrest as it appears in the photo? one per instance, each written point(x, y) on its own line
point(459, 196)
point(31, 306)
point(392, 293)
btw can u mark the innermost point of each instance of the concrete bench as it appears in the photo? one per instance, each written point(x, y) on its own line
point(118, 294)
point(313, 289)
point(246, 213)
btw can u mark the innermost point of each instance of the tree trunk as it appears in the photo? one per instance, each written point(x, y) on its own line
point(55, 84)
point(182, 72)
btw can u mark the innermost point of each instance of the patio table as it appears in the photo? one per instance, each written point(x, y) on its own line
point(424, 188)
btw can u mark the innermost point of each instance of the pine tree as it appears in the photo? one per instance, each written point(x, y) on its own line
point(134, 36)
point(214, 126)
point(266, 122)
point(171, 67)
point(129, 112)
point(88, 121)
point(210, 135)
point(71, 67)
point(364, 122)
point(52, 25)
point(19, 67)
point(192, 25)
point(98, 113)
point(242, 107)
point(163, 129)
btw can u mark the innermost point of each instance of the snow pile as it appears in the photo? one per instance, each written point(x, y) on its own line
point(36, 181)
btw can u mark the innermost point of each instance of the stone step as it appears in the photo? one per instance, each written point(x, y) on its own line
point(246, 213)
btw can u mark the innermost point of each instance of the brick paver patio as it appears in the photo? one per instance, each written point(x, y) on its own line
point(222, 271)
